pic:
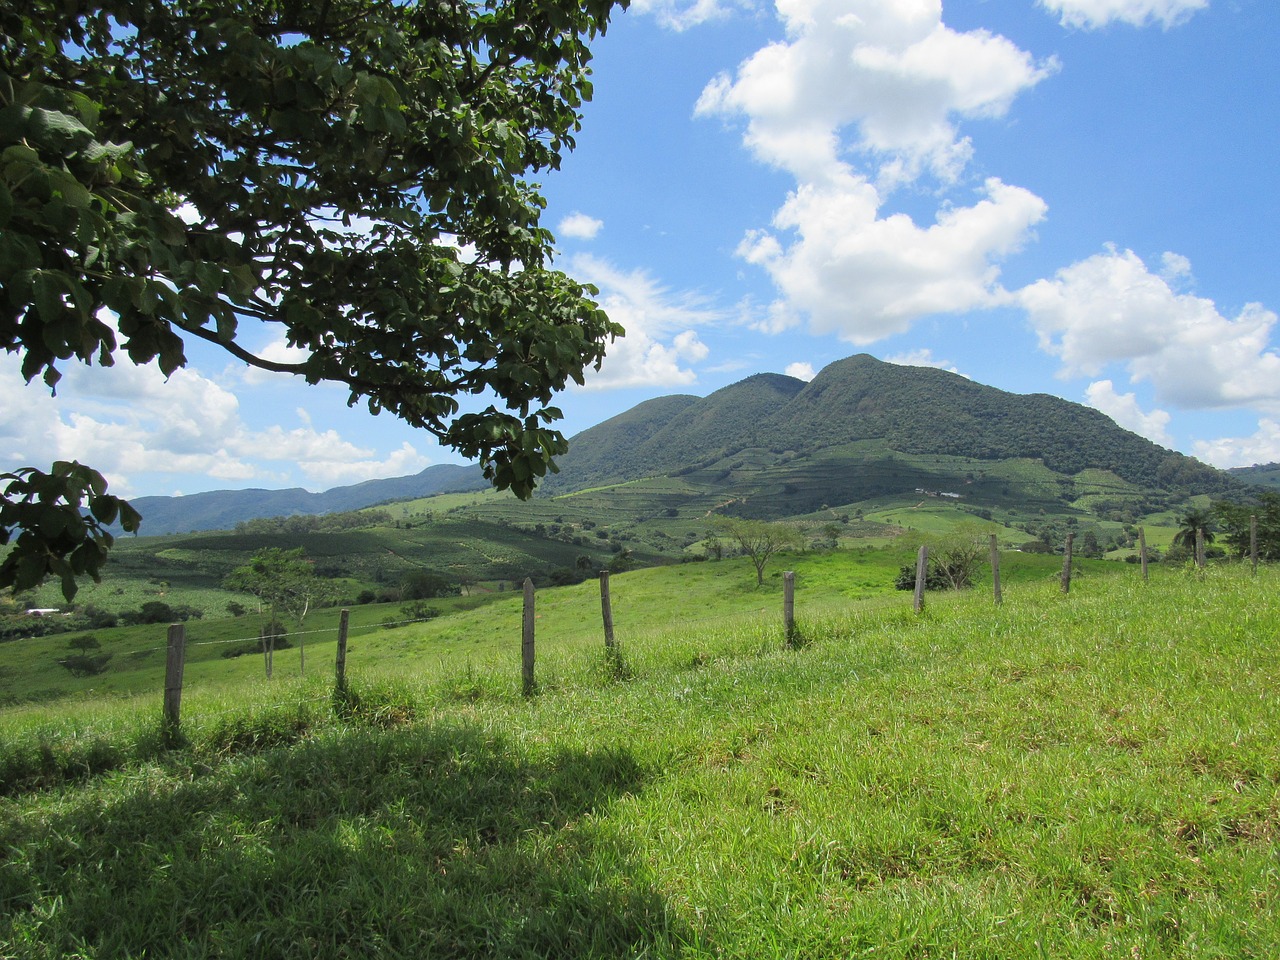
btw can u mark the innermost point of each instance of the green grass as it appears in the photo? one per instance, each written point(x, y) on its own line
point(1081, 776)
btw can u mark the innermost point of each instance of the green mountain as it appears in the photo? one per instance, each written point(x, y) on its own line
point(863, 428)
point(775, 446)
point(664, 435)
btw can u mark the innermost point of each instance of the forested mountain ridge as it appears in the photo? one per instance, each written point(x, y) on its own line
point(678, 431)
point(223, 509)
point(912, 410)
point(861, 428)
point(1261, 474)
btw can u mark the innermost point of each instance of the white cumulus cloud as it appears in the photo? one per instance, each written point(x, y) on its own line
point(892, 73)
point(1262, 447)
point(128, 420)
point(862, 97)
point(1093, 14)
point(866, 277)
point(579, 226)
point(922, 358)
point(1110, 309)
point(801, 371)
point(1123, 408)
point(680, 15)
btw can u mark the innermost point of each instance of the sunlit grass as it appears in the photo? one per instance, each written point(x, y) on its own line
point(1089, 775)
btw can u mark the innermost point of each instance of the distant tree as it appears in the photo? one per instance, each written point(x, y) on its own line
point(1194, 521)
point(622, 561)
point(760, 539)
point(84, 663)
point(419, 610)
point(954, 559)
point(1235, 521)
point(1089, 545)
point(285, 582)
point(156, 611)
point(425, 585)
point(236, 609)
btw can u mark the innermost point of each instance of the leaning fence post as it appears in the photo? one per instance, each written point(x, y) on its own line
point(174, 662)
point(1142, 550)
point(1066, 563)
point(606, 610)
point(995, 570)
point(340, 669)
point(789, 606)
point(1253, 543)
point(922, 571)
point(526, 647)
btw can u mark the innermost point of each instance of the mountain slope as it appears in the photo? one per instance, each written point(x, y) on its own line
point(664, 435)
point(922, 410)
point(795, 442)
point(223, 509)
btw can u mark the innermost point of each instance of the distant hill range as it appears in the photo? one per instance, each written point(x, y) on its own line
point(1262, 475)
point(777, 446)
point(223, 509)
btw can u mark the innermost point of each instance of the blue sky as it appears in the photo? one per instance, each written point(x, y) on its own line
point(1076, 197)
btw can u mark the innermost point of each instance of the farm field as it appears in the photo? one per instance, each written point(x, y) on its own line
point(1088, 775)
point(469, 631)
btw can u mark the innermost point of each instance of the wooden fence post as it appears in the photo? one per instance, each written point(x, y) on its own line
point(606, 611)
point(789, 606)
point(340, 669)
point(1199, 548)
point(1142, 550)
point(175, 659)
point(922, 572)
point(526, 647)
point(995, 570)
point(1253, 543)
point(1066, 563)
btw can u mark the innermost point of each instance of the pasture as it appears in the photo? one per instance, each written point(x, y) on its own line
point(1089, 775)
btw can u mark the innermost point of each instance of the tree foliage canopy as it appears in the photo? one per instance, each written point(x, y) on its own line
point(1236, 520)
point(284, 580)
point(350, 174)
point(759, 539)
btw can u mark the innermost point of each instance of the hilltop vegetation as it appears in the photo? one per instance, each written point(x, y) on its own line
point(917, 411)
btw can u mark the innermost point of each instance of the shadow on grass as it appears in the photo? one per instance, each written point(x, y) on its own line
point(419, 842)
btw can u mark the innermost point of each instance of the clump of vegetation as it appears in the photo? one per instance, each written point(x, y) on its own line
point(85, 662)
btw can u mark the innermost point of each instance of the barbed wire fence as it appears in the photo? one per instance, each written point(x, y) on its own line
point(177, 645)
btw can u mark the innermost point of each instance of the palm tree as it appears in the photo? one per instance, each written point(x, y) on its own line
point(1194, 521)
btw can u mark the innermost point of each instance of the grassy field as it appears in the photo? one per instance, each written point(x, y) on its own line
point(1091, 775)
point(469, 631)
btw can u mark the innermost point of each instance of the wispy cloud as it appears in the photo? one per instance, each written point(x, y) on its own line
point(1095, 14)
point(661, 343)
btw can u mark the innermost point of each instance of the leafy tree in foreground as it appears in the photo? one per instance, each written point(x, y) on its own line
point(42, 517)
point(346, 177)
point(286, 583)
